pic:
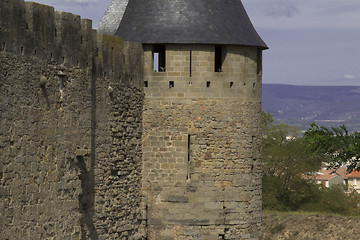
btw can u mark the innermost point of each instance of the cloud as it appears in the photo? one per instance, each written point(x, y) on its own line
point(349, 76)
point(67, 2)
point(86, 1)
point(284, 10)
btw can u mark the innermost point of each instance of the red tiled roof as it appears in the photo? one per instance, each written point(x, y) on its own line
point(327, 174)
point(353, 174)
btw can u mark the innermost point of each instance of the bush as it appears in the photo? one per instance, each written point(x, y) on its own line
point(301, 195)
point(335, 200)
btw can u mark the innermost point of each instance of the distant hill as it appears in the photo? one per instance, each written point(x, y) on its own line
point(325, 105)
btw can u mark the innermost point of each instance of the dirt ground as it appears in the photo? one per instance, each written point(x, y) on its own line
point(293, 226)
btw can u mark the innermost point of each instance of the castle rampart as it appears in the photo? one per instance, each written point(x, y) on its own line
point(101, 138)
point(70, 127)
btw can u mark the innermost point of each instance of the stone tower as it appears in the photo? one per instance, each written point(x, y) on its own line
point(201, 175)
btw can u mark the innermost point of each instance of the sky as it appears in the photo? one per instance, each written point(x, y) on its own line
point(311, 42)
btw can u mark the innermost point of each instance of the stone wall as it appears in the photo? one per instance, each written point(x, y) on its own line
point(84, 155)
point(238, 78)
point(70, 128)
point(201, 144)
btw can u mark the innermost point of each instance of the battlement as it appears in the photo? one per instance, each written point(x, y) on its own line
point(201, 71)
point(38, 31)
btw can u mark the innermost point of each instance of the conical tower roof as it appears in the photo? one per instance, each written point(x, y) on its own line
point(187, 22)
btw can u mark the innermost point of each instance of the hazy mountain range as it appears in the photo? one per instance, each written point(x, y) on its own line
point(325, 105)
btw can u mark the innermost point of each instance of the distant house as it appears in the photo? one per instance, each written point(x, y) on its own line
point(329, 177)
point(353, 180)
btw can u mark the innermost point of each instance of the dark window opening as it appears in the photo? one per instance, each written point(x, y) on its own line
point(171, 84)
point(146, 83)
point(188, 177)
point(219, 59)
point(81, 40)
point(159, 58)
point(231, 84)
point(190, 61)
point(208, 84)
point(259, 61)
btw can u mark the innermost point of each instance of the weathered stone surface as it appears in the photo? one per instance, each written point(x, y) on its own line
point(84, 155)
point(201, 145)
point(64, 174)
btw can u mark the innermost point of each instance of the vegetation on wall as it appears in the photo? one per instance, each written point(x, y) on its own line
point(287, 159)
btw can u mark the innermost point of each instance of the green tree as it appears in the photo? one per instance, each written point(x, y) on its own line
point(285, 163)
point(335, 143)
point(287, 160)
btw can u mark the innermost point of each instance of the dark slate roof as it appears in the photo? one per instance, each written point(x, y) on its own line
point(188, 21)
point(112, 17)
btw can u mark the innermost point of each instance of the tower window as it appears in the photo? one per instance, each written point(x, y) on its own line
point(219, 59)
point(190, 61)
point(159, 58)
point(171, 84)
point(208, 84)
point(259, 61)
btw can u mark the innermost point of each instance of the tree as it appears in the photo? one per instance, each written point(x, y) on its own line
point(285, 152)
point(337, 144)
point(285, 162)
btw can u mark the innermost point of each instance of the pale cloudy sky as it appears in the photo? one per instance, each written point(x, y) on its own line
point(312, 42)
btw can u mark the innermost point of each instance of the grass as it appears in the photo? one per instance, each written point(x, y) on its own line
point(304, 213)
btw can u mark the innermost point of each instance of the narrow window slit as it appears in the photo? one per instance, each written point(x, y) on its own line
point(188, 177)
point(208, 84)
point(146, 84)
point(231, 84)
point(218, 58)
point(259, 61)
point(190, 61)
